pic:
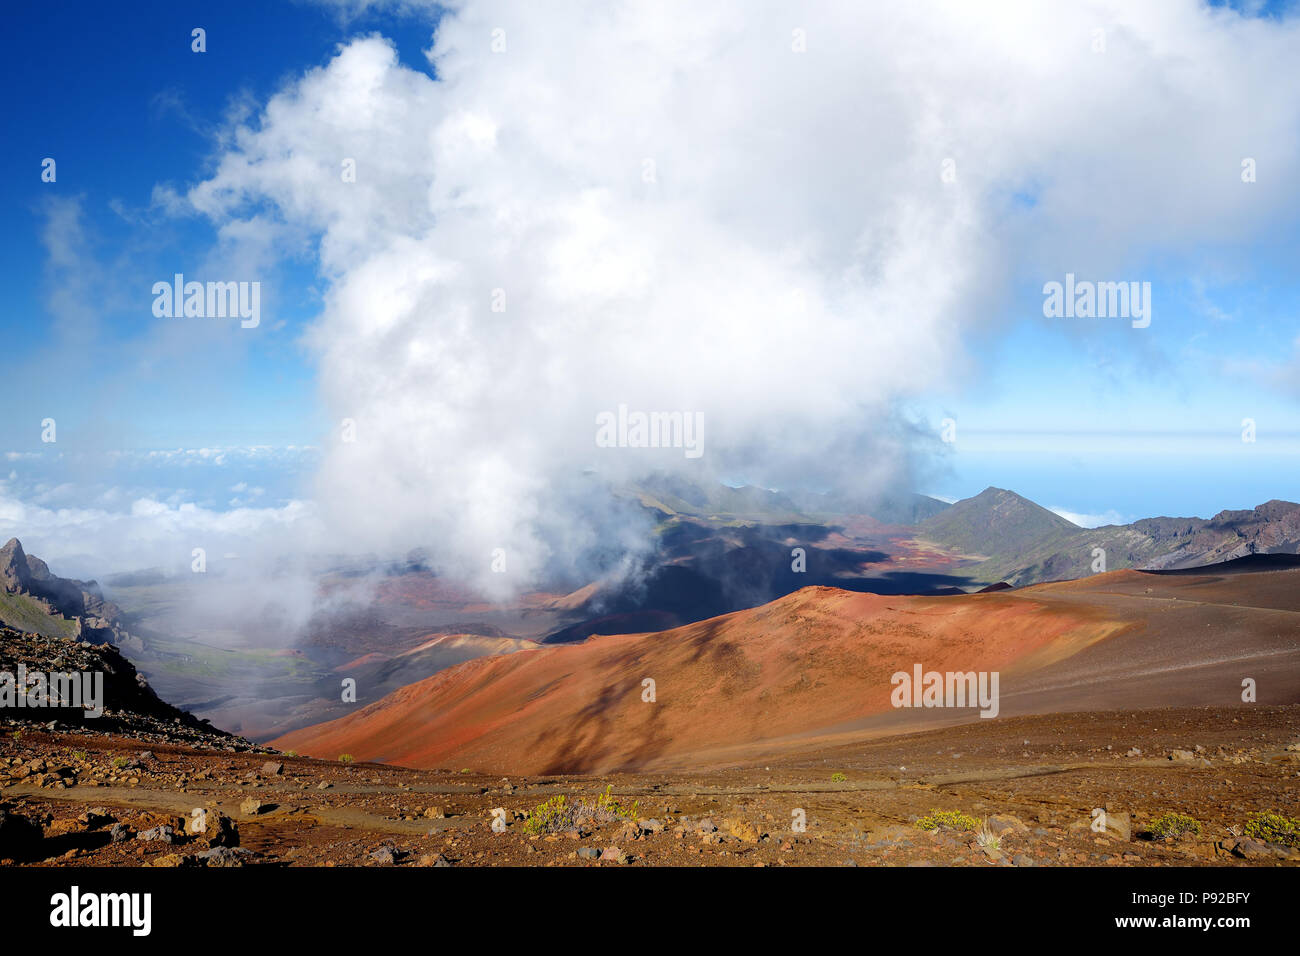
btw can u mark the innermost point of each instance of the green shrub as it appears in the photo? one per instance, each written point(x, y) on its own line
point(947, 820)
point(838, 777)
point(608, 805)
point(1173, 825)
point(345, 758)
point(1274, 828)
point(553, 816)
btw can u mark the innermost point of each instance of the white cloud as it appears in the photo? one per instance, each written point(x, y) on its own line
point(1091, 520)
point(794, 266)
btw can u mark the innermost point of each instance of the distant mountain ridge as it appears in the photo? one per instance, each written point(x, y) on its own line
point(682, 496)
point(1020, 542)
point(995, 521)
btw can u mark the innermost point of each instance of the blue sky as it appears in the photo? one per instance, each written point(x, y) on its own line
point(1087, 415)
point(118, 98)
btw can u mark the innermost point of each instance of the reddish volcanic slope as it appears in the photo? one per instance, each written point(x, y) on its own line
point(815, 667)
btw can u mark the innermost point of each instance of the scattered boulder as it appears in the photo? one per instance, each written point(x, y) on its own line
point(742, 830)
point(1001, 823)
point(164, 834)
point(252, 807)
point(222, 856)
point(387, 855)
point(215, 828)
point(1256, 850)
point(612, 854)
point(272, 768)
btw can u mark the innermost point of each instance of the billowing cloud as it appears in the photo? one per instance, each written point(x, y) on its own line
point(787, 220)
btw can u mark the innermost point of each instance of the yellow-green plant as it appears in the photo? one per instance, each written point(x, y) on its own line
point(607, 803)
point(947, 820)
point(553, 816)
point(1274, 828)
point(1173, 825)
point(345, 758)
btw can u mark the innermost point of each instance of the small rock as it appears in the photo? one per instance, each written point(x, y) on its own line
point(162, 833)
point(1001, 823)
point(1255, 850)
point(742, 830)
point(387, 855)
point(222, 856)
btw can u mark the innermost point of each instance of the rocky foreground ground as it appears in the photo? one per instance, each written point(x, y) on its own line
point(1029, 785)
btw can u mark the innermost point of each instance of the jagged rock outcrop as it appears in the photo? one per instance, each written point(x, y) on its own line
point(90, 617)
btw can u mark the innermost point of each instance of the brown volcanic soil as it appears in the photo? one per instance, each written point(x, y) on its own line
point(1037, 777)
point(814, 659)
point(814, 668)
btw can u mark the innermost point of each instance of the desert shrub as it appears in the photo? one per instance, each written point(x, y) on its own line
point(608, 808)
point(553, 816)
point(947, 820)
point(1274, 828)
point(120, 762)
point(838, 777)
point(558, 814)
point(345, 758)
point(1173, 825)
